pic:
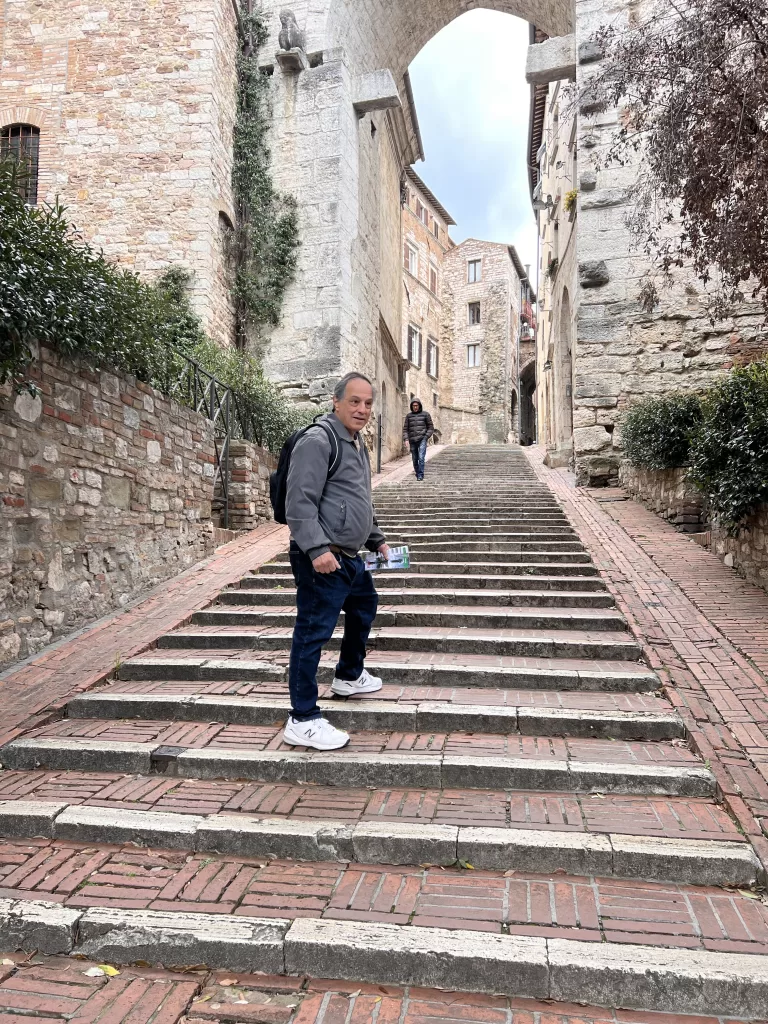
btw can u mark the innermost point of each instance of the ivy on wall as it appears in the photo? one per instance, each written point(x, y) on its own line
point(264, 248)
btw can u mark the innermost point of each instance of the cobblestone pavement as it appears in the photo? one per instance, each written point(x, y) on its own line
point(556, 796)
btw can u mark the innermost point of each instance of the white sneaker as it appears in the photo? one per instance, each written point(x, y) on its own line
point(365, 684)
point(317, 733)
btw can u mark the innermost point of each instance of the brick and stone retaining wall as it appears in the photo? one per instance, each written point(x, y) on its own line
point(670, 495)
point(667, 492)
point(250, 467)
point(105, 490)
point(747, 552)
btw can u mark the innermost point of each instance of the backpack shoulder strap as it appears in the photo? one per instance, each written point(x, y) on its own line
point(334, 460)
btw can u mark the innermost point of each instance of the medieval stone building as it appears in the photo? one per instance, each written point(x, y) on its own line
point(128, 109)
point(483, 289)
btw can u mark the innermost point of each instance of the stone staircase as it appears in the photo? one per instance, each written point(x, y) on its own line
point(518, 811)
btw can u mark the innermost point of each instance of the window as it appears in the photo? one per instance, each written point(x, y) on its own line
point(473, 355)
point(411, 260)
point(414, 345)
point(436, 229)
point(422, 213)
point(21, 142)
point(474, 271)
point(433, 279)
point(474, 313)
point(433, 358)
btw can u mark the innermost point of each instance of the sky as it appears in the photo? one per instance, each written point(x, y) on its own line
point(472, 102)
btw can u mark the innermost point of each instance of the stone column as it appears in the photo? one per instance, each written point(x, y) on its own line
point(250, 467)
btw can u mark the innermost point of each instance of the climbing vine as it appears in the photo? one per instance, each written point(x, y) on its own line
point(264, 247)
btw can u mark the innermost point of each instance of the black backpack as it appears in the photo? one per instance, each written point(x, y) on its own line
point(278, 481)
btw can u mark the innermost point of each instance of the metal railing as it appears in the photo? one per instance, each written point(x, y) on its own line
point(227, 410)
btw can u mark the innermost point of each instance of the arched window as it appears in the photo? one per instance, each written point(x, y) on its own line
point(21, 142)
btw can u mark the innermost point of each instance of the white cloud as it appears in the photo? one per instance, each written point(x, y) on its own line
point(473, 104)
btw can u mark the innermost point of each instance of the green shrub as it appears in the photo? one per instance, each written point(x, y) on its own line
point(656, 432)
point(57, 290)
point(729, 456)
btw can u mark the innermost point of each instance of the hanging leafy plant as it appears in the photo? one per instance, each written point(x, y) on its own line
point(266, 232)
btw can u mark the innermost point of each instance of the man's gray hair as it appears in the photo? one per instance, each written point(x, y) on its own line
point(340, 390)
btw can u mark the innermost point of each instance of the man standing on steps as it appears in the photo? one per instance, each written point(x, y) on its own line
point(417, 430)
point(331, 517)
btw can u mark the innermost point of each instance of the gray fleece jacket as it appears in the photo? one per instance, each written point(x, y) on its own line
point(339, 511)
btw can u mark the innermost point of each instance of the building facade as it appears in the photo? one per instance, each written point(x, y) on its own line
point(483, 292)
point(425, 244)
point(555, 197)
point(128, 111)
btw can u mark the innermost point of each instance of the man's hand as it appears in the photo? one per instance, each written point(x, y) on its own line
point(326, 563)
point(384, 550)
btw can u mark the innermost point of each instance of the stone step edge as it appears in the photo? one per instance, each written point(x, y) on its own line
point(424, 716)
point(532, 851)
point(614, 974)
point(345, 768)
point(205, 669)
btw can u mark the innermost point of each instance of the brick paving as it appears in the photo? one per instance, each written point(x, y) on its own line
point(587, 909)
point(52, 989)
point(694, 625)
point(671, 817)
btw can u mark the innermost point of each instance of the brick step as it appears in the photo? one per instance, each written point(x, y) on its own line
point(609, 855)
point(408, 669)
point(474, 569)
point(473, 520)
point(666, 817)
point(414, 530)
point(397, 694)
point(382, 715)
point(465, 598)
point(481, 554)
point(489, 951)
point(461, 544)
point(143, 995)
point(396, 582)
point(493, 643)
point(212, 751)
point(449, 616)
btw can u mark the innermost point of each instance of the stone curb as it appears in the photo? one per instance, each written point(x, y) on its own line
point(611, 646)
point(502, 617)
point(614, 974)
point(686, 861)
point(635, 679)
point(428, 716)
point(343, 768)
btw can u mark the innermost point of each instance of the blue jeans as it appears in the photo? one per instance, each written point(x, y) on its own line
point(320, 597)
point(419, 455)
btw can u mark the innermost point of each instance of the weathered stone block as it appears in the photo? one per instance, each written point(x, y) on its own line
point(593, 273)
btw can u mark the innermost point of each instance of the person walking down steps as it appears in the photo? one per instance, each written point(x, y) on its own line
point(329, 509)
point(417, 430)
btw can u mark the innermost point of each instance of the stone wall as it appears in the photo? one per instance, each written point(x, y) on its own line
point(250, 467)
point(135, 104)
point(748, 551)
point(105, 490)
point(667, 492)
point(623, 351)
point(670, 495)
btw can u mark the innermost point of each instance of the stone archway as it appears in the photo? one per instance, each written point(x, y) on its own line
point(344, 130)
